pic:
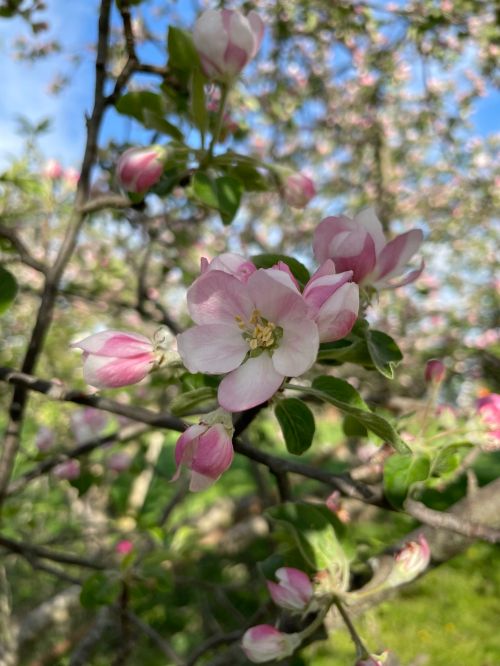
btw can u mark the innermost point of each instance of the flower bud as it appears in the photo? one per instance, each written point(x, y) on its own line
point(434, 371)
point(409, 562)
point(264, 643)
point(138, 168)
point(44, 440)
point(226, 41)
point(297, 190)
point(294, 591)
point(124, 547)
point(69, 470)
point(87, 423)
point(113, 358)
point(206, 449)
point(52, 170)
point(488, 407)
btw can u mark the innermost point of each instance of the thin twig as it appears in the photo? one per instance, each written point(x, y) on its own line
point(29, 551)
point(24, 254)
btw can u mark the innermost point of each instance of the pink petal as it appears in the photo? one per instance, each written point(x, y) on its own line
point(396, 254)
point(407, 279)
point(257, 25)
point(217, 298)
point(251, 384)
point(214, 453)
point(115, 344)
point(297, 580)
point(200, 482)
point(298, 348)
point(354, 251)
point(184, 449)
point(326, 268)
point(232, 263)
point(212, 348)
point(324, 233)
point(283, 277)
point(319, 289)
point(275, 301)
point(108, 372)
point(338, 314)
point(368, 218)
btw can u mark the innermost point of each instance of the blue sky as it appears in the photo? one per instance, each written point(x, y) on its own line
point(73, 24)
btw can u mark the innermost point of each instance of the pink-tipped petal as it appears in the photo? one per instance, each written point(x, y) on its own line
point(368, 218)
point(249, 385)
point(114, 344)
point(257, 25)
point(397, 253)
point(275, 301)
point(319, 289)
point(298, 348)
point(354, 251)
point(212, 348)
point(217, 297)
point(338, 314)
point(407, 279)
point(325, 231)
point(107, 372)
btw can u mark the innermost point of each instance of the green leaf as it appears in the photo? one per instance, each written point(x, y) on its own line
point(343, 396)
point(187, 401)
point(401, 471)
point(8, 289)
point(134, 104)
point(297, 424)
point(204, 190)
point(181, 51)
point(449, 458)
point(229, 191)
point(253, 180)
point(299, 271)
point(314, 535)
point(100, 589)
point(348, 350)
point(384, 352)
point(160, 124)
point(198, 102)
point(352, 427)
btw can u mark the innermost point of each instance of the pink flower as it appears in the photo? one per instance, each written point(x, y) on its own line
point(226, 41)
point(265, 643)
point(434, 371)
point(113, 358)
point(409, 562)
point(256, 333)
point(231, 263)
point(138, 168)
point(45, 439)
point(207, 450)
point(489, 410)
point(71, 177)
point(359, 245)
point(52, 170)
point(119, 462)
point(298, 190)
point(124, 547)
point(294, 591)
point(69, 470)
point(87, 423)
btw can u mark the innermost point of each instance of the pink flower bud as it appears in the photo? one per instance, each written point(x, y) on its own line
point(71, 177)
point(374, 660)
point(488, 407)
point(434, 371)
point(69, 470)
point(294, 591)
point(138, 169)
point(113, 358)
point(409, 562)
point(87, 423)
point(226, 41)
point(265, 643)
point(207, 450)
point(119, 462)
point(124, 547)
point(231, 263)
point(45, 438)
point(52, 170)
point(298, 190)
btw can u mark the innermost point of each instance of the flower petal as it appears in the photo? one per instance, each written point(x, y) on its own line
point(396, 254)
point(217, 297)
point(212, 348)
point(117, 344)
point(324, 233)
point(338, 314)
point(107, 372)
point(298, 347)
point(277, 302)
point(251, 384)
point(320, 289)
point(368, 218)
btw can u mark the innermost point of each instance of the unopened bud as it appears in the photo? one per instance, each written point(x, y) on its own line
point(265, 643)
point(434, 371)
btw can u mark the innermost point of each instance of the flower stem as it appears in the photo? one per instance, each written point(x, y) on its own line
point(361, 651)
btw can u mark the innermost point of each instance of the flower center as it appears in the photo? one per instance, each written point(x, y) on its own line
point(260, 334)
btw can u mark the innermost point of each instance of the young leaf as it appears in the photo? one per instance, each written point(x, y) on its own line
point(299, 271)
point(181, 51)
point(134, 104)
point(384, 352)
point(8, 289)
point(343, 396)
point(100, 589)
point(198, 102)
point(297, 424)
point(204, 190)
point(401, 472)
point(229, 191)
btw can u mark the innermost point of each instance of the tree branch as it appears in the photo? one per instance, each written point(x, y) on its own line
point(29, 551)
point(23, 252)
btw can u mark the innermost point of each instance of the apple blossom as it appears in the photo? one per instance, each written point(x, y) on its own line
point(69, 470)
point(265, 643)
point(52, 170)
point(434, 371)
point(231, 263)
point(226, 41)
point(124, 547)
point(206, 449)
point(294, 591)
point(488, 407)
point(359, 245)
point(409, 562)
point(297, 190)
point(138, 168)
point(45, 439)
point(87, 423)
point(256, 333)
point(114, 358)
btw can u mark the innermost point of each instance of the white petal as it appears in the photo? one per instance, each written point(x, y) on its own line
point(251, 384)
point(212, 348)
